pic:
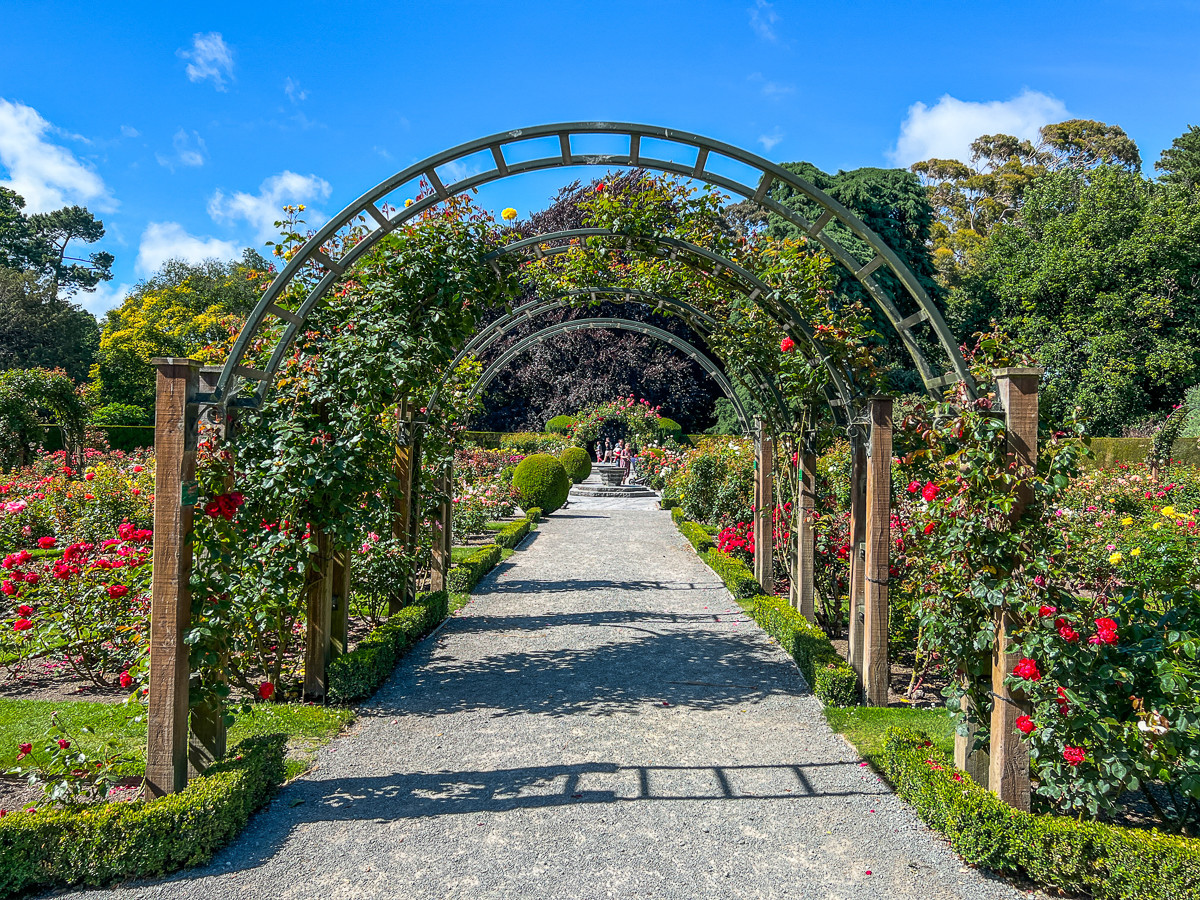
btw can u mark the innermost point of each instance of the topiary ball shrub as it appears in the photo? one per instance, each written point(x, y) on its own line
point(542, 482)
point(670, 429)
point(560, 425)
point(577, 462)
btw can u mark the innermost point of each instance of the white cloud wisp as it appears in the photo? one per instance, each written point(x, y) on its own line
point(263, 209)
point(209, 59)
point(47, 175)
point(169, 240)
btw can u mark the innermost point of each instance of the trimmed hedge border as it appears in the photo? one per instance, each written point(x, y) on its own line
point(359, 673)
point(102, 843)
point(831, 677)
point(1104, 861)
point(466, 574)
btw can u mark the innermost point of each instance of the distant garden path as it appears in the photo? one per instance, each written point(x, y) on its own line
point(601, 721)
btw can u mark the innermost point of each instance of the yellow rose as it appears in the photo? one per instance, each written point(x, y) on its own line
point(1156, 526)
point(1115, 558)
point(1168, 511)
point(1136, 551)
point(1128, 520)
point(508, 214)
point(408, 203)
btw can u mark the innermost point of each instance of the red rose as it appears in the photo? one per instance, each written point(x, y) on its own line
point(1068, 634)
point(1025, 725)
point(22, 625)
point(138, 468)
point(25, 610)
point(64, 744)
point(1027, 669)
point(929, 528)
point(89, 476)
point(1106, 632)
point(32, 577)
point(25, 749)
point(117, 590)
point(46, 543)
point(266, 690)
point(914, 486)
point(126, 680)
point(1047, 611)
point(1064, 706)
point(787, 345)
point(600, 188)
point(9, 588)
point(1074, 755)
point(930, 491)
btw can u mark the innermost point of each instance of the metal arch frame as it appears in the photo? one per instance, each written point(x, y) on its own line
point(494, 369)
point(312, 254)
point(698, 320)
point(741, 279)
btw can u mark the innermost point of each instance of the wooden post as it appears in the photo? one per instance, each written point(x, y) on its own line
point(858, 535)
point(171, 598)
point(318, 637)
point(1008, 772)
point(339, 626)
point(805, 574)
point(443, 539)
point(974, 762)
point(403, 504)
point(764, 506)
point(876, 669)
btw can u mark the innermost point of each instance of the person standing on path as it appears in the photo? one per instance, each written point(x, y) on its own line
point(607, 458)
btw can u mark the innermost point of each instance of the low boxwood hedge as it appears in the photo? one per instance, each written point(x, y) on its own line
point(735, 573)
point(1102, 861)
point(466, 574)
point(533, 514)
point(831, 677)
point(697, 536)
point(359, 673)
point(107, 842)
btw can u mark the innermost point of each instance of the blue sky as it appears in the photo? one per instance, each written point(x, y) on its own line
point(185, 126)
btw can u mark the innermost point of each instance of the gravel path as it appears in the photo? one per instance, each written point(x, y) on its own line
point(601, 721)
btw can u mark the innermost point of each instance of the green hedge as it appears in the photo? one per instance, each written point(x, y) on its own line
point(534, 515)
point(1111, 451)
point(465, 575)
point(735, 573)
point(513, 533)
point(697, 536)
point(108, 842)
point(1102, 861)
point(560, 424)
point(578, 463)
point(359, 673)
point(542, 481)
point(830, 676)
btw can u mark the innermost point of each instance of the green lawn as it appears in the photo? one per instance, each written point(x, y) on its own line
point(864, 727)
point(21, 721)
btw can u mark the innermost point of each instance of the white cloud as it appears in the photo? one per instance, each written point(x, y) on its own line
point(762, 19)
point(294, 92)
point(168, 240)
point(263, 209)
point(770, 140)
point(106, 296)
point(189, 151)
point(946, 129)
point(46, 175)
point(209, 58)
point(129, 131)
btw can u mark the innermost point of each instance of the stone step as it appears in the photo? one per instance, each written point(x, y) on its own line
point(611, 490)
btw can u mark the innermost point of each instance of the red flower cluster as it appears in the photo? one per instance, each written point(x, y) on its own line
point(117, 591)
point(739, 537)
point(1047, 611)
point(1066, 632)
point(46, 543)
point(929, 528)
point(22, 625)
point(1074, 755)
point(1027, 669)
point(787, 345)
point(224, 506)
point(1064, 707)
point(1025, 725)
point(126, 532)
point(930, 491)
point(914, 486)
point(1106, 632)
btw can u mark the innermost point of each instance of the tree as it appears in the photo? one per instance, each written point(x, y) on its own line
point(185, 309)
point(970, 199)
point(38, 243)
point(1099, 278)
point(1180, 163)
point(39, 329)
